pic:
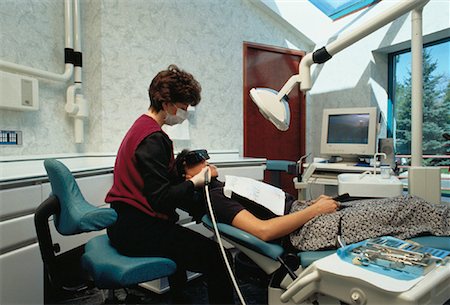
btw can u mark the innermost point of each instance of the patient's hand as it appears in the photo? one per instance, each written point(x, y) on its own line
point(311, 202)
point(324, 205)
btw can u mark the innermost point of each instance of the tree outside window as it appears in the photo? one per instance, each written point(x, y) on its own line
point(436, 102)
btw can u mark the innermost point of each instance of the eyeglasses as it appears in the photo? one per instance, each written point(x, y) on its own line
point(196, 156)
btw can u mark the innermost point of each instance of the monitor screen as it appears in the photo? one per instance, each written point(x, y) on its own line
point(348, 128)
point(349, 131)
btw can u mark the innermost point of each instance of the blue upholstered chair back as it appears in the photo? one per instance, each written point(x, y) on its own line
point(76, 215)
point(72, 214)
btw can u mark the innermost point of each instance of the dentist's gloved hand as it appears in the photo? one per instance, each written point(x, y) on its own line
point(199, 179)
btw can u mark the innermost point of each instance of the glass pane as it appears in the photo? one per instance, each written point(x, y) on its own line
point(338, 8)
point(436, 102)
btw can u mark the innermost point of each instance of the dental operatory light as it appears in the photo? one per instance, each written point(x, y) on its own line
point(274, 105)
point(273, 109)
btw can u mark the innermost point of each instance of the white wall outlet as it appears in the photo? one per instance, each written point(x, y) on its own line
point(18, 92)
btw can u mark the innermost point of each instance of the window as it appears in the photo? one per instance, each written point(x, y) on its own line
point(436, 105)
point(337, 9)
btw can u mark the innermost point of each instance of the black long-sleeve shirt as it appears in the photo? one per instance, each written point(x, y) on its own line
point(161, 188)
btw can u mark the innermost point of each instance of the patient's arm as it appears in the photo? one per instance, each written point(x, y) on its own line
point(281, 226)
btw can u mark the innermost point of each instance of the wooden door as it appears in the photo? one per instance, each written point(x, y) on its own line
point(271, 67)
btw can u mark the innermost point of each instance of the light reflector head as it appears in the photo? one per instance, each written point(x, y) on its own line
point(271, 107)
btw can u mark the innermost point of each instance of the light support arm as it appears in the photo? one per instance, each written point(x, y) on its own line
point(288, 86)
point(325, 53)
point(346, 40)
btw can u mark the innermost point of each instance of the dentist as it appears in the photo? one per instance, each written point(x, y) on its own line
point(145, 192)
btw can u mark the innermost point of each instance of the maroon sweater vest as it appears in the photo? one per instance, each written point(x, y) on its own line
point(128, 183)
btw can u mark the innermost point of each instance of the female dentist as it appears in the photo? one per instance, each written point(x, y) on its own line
point(145, 194)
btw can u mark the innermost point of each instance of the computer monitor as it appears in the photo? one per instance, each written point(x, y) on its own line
point(349, 132)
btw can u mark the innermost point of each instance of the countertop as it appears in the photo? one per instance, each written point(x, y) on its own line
point(29, 168)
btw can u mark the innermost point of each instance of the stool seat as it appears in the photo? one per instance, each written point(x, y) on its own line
point(73, 214)
point(112, 270)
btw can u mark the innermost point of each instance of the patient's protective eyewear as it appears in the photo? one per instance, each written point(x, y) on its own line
point(196, 156)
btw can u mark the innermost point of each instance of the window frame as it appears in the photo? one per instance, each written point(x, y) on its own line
point(343, 10)
point(391, 105)
point(391, 83)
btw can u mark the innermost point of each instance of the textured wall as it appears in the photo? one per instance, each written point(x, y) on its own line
point(125, 43)
point(32, 34)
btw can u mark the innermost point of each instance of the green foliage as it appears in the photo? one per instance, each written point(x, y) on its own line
point(436, 113)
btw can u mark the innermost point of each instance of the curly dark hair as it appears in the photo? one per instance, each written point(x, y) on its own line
point(180, 162)
point(174, 86)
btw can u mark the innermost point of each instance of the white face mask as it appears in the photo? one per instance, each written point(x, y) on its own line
point(177, 118)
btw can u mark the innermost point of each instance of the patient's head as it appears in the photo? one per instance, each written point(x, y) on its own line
point(190, 162)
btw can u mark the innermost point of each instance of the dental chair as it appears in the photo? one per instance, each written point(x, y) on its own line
point(301, 278)
point(102, 264)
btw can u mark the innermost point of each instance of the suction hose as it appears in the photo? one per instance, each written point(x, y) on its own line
point(222, 249)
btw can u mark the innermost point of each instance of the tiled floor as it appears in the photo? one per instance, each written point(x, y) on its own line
point(196, 293)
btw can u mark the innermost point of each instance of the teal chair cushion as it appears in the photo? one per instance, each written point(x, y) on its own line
point(279, 165)
point(309, 257)
point(76, 215)
point(268, 249)
point(110, 269)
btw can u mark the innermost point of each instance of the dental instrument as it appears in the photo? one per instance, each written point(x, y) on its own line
point(395, 257)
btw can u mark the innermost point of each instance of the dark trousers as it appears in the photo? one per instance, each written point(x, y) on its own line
point(137, 234)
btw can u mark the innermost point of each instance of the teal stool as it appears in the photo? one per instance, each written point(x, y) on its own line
point(72, 214)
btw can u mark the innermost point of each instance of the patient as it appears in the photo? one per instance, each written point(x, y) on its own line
point(316, 224)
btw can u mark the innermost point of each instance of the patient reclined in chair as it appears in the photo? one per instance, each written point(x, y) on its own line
point(305, 278)
point(315, 225)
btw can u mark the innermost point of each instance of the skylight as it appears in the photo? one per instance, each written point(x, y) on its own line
point(336, 9)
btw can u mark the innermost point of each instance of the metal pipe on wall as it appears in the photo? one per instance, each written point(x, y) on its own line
point(46, 75)
point(76, 105)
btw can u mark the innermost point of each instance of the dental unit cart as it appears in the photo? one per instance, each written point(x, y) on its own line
point(383, 270)
point(324, 177)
